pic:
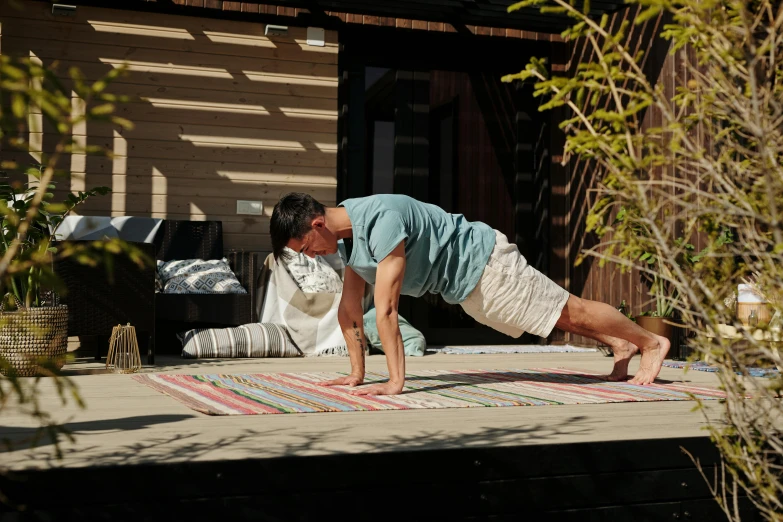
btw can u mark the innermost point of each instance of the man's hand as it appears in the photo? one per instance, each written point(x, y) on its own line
point(350, 380)
point(387, 388)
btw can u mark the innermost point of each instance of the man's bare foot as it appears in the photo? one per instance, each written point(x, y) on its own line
point(623, 353)
point(652, 360)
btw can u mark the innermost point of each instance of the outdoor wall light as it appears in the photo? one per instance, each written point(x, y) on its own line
point(275, 30)
point(63, 10)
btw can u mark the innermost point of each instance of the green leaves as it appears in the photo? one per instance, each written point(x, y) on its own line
point(30, 271)
point(28, 210)
point(35, 94)
point(18, 105)
point(536, 69)
point(653, 11)
point(100, 110)
point(74, 199)
point(679, 161)
point(525, 3)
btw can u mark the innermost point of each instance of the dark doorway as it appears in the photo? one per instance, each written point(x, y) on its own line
point(426, 115)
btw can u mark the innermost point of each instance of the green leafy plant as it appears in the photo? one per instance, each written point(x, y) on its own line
point(665, 295)
point(28, 285)
point(31, 96)
point(626, 310)
point(701, 164)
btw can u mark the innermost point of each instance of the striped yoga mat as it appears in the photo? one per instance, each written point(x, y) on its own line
point(299, 392)
point(516, 348)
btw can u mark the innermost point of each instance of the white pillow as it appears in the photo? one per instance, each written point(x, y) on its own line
point(313, 275)
point(184, 267)
point(198, 276)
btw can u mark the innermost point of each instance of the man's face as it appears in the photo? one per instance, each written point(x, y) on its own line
point(319, 241)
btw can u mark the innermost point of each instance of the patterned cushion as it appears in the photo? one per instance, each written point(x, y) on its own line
point(313, 275)
point(199, 276)
point(250, 340)
point(185, 267)
point(158, 282)
point(204, 284)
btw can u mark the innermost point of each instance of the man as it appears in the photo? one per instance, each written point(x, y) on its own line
point(403, 246)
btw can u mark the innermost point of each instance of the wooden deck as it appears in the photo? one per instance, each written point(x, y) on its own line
point(129, 428)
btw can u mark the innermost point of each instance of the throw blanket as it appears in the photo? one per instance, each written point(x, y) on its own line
point(309, 317)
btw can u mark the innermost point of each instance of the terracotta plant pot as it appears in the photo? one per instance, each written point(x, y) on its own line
point(662, 326)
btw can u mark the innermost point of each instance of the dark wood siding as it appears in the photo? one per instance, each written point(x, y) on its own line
point(402, 23)
point(573, 185)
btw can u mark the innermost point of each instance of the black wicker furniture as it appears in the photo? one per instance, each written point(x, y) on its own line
point(97, 302)
point(178, 312)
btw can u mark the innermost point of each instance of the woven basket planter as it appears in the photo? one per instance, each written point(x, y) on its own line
point(29, 337)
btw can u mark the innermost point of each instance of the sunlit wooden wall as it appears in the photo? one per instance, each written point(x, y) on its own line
point(221, 112)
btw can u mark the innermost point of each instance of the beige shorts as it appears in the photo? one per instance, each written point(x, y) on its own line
point(513, 297)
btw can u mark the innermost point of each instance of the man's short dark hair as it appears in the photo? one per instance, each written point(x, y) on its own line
point(292, 218)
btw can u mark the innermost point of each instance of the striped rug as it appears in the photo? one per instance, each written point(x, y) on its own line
point(268, 393)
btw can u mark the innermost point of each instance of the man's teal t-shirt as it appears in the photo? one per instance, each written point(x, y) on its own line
point(445, 253)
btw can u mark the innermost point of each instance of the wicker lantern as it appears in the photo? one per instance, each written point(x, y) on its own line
point(123, 350)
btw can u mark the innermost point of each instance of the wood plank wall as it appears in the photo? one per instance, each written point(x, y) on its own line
point(573, 185)
point(221, 112)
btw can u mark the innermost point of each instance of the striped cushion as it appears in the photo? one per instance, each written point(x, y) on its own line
point(249, 340)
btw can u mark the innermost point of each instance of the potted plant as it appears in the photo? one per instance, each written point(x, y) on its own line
point(33, 326)
point(36, 101)
point(662, 319)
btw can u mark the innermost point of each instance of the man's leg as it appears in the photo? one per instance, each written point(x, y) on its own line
point(581, 315)
point(513, 298)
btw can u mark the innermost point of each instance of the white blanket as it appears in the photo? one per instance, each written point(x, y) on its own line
point(310, 317)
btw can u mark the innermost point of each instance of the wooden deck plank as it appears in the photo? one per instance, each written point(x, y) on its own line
point(128, 423)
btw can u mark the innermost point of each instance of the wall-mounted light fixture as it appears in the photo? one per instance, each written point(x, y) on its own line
point(63, 10)
point(315, 36)
point(275, 30)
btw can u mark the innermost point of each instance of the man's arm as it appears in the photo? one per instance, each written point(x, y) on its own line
point(388, 282)
point(351, 318)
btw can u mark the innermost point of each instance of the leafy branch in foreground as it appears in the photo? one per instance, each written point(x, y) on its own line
point(708, 172)
point(33, 101)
